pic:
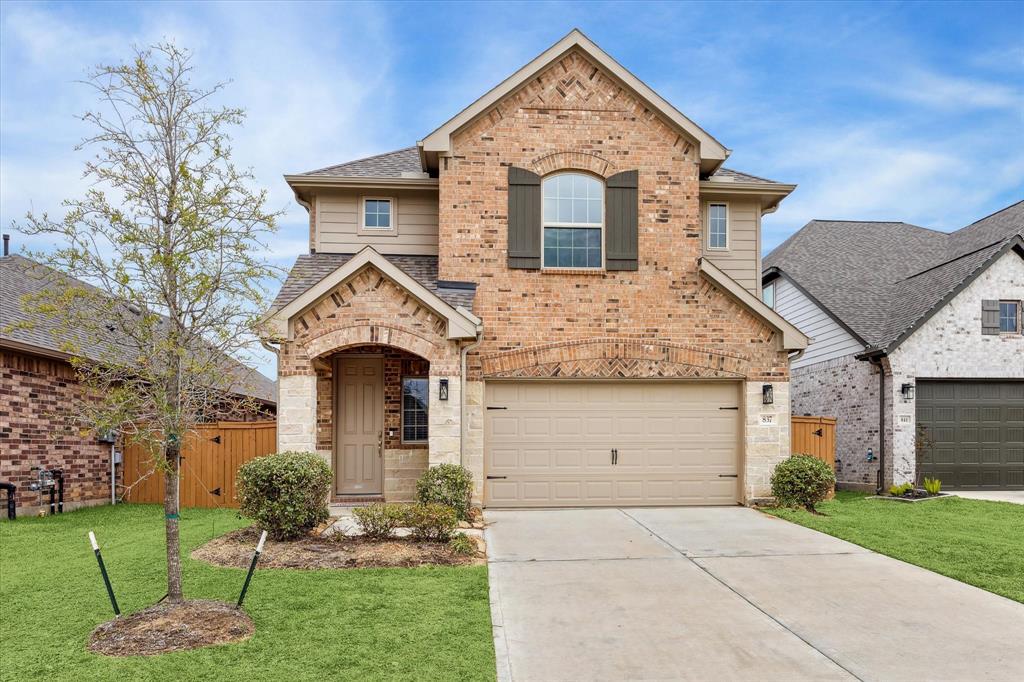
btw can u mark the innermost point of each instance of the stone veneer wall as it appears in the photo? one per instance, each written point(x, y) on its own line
point(34, 392)
point(846, 389)
point(951, 345)
point(766, 437)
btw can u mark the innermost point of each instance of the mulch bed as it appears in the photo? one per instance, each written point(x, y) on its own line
point(172, 627)
point(234, 550)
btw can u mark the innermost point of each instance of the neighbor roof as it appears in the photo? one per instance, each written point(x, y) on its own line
point(35, 332)
point(881, 280)
point(311, 268)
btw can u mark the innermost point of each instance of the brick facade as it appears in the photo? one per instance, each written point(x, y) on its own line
point(573, 115)
point(34, 391)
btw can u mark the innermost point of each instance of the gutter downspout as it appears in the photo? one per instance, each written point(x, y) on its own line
point(877, 362)
point(462, 395)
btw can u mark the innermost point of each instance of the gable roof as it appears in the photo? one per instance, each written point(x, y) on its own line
point(882, 280)
point(397, 164)
point(462, 324)
point(712, 152)
point(40, 334)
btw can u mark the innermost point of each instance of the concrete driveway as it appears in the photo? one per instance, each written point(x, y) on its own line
point(728, 593)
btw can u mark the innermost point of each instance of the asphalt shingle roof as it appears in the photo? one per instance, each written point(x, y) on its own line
point(311, 268)
point(736, 176)
point(387, 165)
point(20, 277)
point(882, 278)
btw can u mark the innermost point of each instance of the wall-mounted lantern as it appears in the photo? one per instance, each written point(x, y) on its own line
point(767, 396)
point(442, 391)
point(908, 391)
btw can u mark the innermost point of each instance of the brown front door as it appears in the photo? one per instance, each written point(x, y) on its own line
point(360, 426)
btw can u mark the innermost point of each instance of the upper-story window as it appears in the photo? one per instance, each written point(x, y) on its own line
point(768, 295)
point(378, 214)
point(1008, 316)
point(718, 226)
point(573, 221)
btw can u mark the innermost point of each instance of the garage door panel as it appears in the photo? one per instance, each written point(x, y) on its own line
point(673, 443)
point(975, 430)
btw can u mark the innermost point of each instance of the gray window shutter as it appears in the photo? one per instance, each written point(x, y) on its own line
point(524, 231)
point(990, 317)
point(621, 218)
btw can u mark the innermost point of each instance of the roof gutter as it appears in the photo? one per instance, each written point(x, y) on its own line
point(359, 182)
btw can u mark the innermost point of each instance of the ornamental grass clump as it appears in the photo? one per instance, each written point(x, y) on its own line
point(802, 481)
point(286, 493)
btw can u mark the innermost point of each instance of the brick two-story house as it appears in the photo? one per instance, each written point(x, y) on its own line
point(559, 288)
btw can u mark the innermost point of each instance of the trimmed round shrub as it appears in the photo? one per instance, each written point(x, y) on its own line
point(449, 484)
point(802, 481)
point(286, 493)
point(378, 521)
point(434, 522)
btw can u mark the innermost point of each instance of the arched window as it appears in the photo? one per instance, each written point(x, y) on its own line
point(573, 221)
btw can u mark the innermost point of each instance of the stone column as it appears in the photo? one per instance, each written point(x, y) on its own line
point(766, 437)
point(473, 448)
point(444, 423)
point(296, 413)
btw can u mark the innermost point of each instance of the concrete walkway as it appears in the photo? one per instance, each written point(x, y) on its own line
point(728, 593)
point(1015, 496)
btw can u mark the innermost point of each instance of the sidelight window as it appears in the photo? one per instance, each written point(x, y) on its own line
point(414, 409)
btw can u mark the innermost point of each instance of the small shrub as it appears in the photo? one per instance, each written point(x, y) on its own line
point(449, 484)
point(286, 493)
point(933, 486)
point(462, 544)
point(802, 480)
point(431, 521)
point(901, 489)
point(378, 521)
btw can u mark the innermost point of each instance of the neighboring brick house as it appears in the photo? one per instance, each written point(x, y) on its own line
point(941, 315)
point(37, 383)
point(558, 288)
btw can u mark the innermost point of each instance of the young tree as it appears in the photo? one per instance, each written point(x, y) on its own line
point(168, 237)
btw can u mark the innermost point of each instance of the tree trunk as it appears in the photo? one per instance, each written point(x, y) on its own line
point(171, 509)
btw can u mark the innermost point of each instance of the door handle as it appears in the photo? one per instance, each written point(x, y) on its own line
point(380, 444)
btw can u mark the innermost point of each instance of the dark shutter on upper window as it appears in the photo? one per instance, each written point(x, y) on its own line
point(990, 317)
point(621, 218)
point(524, 233)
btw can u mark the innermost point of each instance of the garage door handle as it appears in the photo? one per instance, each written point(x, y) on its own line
point(728, 475)
point(491, 478)
point(728, 408)
point(491, 407)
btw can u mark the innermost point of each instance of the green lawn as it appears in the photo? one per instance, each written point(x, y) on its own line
point(414, 624)
point(977, 542)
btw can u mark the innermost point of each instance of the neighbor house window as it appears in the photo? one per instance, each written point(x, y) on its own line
point(1008, 316)
point(414, 410)
point(377, 214)
point(573, 221)
point(718, 226)
point(768, 295)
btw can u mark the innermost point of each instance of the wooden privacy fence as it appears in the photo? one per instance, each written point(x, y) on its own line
point(210, 460)
point(815, 436)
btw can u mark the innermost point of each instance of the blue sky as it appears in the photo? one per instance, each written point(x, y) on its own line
point(895, 111)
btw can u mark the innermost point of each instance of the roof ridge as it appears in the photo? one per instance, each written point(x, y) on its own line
point(365, 158)
point(994, 213)
point(955, 258)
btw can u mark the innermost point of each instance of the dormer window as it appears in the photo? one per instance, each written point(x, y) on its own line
point(378, 214)
point(573, 221)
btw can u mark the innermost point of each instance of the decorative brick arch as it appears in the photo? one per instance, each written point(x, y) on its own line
point(367, 333)
point(608, 358)
point(574, 160)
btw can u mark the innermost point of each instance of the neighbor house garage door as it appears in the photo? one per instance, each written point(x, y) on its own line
point(971, 433)
point(571, 443)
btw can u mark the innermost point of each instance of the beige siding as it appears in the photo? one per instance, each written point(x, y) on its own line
point(828, 340)
point(337, 222)
point(741, 261)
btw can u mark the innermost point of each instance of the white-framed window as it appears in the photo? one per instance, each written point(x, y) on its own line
point(718, 225)
point(1009, 317)
point(415, 403)
point(378, 214)
point(768, 295)
point(573, 220)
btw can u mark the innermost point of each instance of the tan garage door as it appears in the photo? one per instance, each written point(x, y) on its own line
point(572, 443)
